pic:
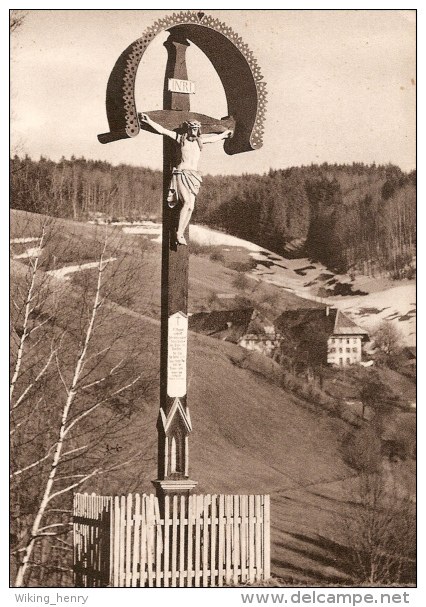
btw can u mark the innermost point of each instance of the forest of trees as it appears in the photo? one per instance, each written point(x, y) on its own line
point(350, 217)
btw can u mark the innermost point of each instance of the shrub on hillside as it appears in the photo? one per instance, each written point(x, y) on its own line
point(213, 251)
point(216, 255)
point(242, 266)
point(241, 282)
point(361, 450)
point(380, 528)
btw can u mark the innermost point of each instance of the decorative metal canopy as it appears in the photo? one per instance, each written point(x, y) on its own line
point(233, 61)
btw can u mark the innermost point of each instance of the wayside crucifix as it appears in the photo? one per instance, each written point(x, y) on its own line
point(185, 134)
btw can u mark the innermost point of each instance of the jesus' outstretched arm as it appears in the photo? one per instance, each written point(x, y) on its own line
point(160, 129)
point(216, 137)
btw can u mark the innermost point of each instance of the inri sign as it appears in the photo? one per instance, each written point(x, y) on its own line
point(181, 86)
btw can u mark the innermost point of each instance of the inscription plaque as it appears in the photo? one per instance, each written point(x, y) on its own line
point(177, 355)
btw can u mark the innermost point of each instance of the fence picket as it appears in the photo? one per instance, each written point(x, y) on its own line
point(213, 527)
point(89, 541)
point(251, 538)
point(258, 539)
point(166, 561)
point(159, 550)
point(94, 541)
point(75, 540)
point(174, 541)
point(221, 549)
point(112, 539)
point(228, 539)
point(151, 540)
point(267, 537)
point(122, 541)
point(236, 539)
point(182, 541)
point(136, 538)
point(243, 536)
point(206, 535)
point(144, 545)
point(84, 539)
point(116, 553)
point(197, 540)
point(128, 552)
point(190, 565)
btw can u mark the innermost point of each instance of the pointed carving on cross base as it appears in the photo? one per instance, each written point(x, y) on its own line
point(173, 465)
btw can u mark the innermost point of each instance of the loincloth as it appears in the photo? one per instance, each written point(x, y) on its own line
point(183, 180)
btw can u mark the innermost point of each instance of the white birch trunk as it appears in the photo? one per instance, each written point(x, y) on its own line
point(47, 494)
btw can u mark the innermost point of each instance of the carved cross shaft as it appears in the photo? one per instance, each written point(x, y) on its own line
point(174, 423)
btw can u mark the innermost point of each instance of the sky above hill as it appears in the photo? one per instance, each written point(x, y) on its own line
point(341, 86)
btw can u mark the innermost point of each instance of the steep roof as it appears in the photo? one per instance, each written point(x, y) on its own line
point(303, 319)
point(345, 326)
point(331, 321)
point(228, 325)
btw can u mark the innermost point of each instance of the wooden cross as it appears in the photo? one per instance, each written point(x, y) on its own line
point(246, 98)
point(174, 422)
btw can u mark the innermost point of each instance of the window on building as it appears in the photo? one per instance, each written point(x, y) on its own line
point(341, 362)
point(332, 349)
point(348, 361)
point(348, 341)
point(348, 349)
point(354, 349)
point(340, 350)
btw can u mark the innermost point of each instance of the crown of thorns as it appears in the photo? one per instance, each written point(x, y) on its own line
point(193, 123)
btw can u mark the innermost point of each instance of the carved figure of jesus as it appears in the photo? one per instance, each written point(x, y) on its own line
point(186, 178)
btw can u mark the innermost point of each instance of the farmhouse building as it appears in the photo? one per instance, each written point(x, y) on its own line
point(245, 327)
point(321, 335)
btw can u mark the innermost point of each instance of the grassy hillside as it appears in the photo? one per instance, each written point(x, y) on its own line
point(249, 434)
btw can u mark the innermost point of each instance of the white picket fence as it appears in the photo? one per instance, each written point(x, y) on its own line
point(202, 540)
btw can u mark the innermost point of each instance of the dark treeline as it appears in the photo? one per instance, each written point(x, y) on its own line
point(348, 216)
point(78, 188)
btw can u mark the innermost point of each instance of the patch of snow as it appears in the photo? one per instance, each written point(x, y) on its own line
point(34, 252)
point(19, 240)
point(62, 272)
point(394, 305)
point(143, 229)
point(206, 236)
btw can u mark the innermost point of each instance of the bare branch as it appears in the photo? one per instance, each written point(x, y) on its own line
point(37, 463)
point(74, 485)
point(37, 379)
point(16, 19)
point(74, 450)
point(26, 331)
point(54, 525)
point(98, 404)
